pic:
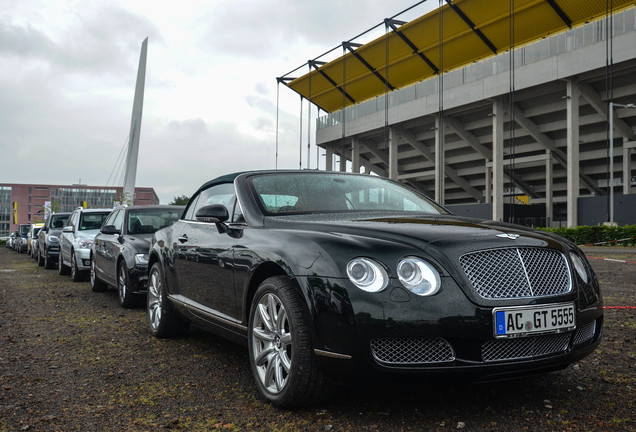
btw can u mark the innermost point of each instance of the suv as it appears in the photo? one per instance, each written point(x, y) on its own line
point(77, 239)
point(23, 241)
point(49, 239)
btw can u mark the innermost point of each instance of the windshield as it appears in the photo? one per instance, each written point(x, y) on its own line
point(92, 221)
point(149, 221)
point(59, 221)
point(289, 193)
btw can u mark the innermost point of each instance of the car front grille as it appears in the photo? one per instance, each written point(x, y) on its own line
point(517, 273)
point(411, 351)
point(525, 347)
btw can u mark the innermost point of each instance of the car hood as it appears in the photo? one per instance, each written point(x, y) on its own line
point(450, 233)
point(86, 234)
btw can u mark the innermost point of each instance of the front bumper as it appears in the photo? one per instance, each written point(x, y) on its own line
point(138, 277)
point(396, 331)
point(83, 258)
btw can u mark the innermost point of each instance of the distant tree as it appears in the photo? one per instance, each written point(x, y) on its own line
point(180, 200)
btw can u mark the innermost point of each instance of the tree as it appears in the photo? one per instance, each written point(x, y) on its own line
point(180, 200)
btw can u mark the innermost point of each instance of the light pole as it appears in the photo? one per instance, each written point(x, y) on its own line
point(611, 155)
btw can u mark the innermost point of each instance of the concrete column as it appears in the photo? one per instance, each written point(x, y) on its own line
point(393, 154)
point(573, 94)
point(355, 155)
point(329, 158)
point(440, 184)
point(488, 191)
point(343, 162)
point(498, 115)
point(548, 189)
point(628, 146)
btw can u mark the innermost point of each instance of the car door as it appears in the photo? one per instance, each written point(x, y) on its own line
point(107, 247)
point(67, 236)
point(204, 262)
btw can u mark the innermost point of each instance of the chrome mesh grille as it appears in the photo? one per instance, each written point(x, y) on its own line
point(525, 347)
point(411, 351)
point(585, 333)
point(517, 272)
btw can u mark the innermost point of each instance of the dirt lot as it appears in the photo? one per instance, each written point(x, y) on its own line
point(71, 359)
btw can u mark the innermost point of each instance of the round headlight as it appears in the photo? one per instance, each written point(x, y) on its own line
point(367, 274)
point(418, 276)
point(579, 266)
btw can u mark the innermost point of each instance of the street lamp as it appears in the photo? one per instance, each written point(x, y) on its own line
point(611, 155)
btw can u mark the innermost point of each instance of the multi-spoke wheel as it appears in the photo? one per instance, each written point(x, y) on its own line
point(281, 351)
point(163, 319)
point(127, 298)
point(61, 268)
point(97, 284)
point(76, 274)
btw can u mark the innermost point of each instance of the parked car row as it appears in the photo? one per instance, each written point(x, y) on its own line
point(324, 276)
point(109, 244)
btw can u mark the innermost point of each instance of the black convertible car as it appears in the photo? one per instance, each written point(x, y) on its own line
point(325, 274)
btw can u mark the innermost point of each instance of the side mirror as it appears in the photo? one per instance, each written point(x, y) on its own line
point(68, 229)
point(110, 230)
point(215, 213)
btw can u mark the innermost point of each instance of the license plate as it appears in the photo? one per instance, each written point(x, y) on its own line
point(530, 320)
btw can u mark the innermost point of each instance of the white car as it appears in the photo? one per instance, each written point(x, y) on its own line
point(76, 241)
point(32, 238)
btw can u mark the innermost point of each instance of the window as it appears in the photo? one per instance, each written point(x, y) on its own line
point(220, 194)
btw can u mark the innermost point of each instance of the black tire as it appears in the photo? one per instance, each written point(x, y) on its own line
point(127, 298)
point(39, 258)
point(61, 268)
point(97, 285)
point(279, 325)
point(76, 274)
point(164, 321)
point(49, 263)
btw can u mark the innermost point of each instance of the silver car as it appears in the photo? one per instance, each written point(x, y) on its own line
point(76, 241)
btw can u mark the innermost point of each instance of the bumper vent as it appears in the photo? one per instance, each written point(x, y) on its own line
point(584, 334)
point(413, 351)
point(525, 347)
point(517, 273)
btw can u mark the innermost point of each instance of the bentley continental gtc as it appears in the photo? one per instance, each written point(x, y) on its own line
point(324, 274)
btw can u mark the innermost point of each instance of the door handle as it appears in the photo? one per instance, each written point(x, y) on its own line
point(183, 238)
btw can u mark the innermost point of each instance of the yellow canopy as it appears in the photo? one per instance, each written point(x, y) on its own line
point(472, 30)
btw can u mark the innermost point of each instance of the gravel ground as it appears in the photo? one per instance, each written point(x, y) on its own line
point(71, 359)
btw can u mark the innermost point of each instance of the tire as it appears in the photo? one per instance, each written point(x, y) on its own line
point(76, 274)
point(48, 262)
point(280, 347)
point(164, 321)
point(127, 298)
point(61, 268)
point(39, 258)
point(97, 285)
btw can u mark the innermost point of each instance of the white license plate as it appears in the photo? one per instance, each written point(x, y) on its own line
point(529, 320)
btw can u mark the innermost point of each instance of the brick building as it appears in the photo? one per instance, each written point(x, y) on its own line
point(27, 203)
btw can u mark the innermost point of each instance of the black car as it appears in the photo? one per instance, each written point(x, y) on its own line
point(49, 239)
point(119, 254)
point(326, 275)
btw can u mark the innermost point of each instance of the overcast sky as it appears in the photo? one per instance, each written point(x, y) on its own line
point(68, 71)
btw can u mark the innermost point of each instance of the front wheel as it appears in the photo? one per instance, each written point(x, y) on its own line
point(127, 298)
point(61, 268)
point(280, 347)
point(97, 285)
point(163, 319)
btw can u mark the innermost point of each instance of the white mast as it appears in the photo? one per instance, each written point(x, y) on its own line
point(135, 127)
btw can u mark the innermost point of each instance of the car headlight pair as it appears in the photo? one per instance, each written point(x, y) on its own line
point(414, 274)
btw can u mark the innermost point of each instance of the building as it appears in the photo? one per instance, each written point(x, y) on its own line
point(28, 203)
point(519, 132)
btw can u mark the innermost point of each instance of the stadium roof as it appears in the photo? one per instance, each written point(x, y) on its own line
point(469, 30)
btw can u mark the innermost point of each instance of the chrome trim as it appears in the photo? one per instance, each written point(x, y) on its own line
point(207, 312)
point(331, 354)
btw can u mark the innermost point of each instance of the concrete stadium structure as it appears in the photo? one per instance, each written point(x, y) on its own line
point(536, 155)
